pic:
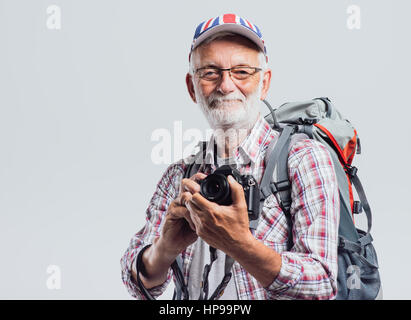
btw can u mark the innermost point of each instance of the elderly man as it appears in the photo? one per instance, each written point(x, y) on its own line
point(228, 77)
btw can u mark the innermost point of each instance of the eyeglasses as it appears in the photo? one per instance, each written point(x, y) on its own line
point(215, 74)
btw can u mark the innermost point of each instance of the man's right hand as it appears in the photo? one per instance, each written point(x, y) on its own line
point(177, 233)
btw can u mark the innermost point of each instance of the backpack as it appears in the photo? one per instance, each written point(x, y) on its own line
point(358, 275)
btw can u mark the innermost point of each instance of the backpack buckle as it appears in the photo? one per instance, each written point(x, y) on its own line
point(280, 186)
point(307, 121)
point(351, 170)
point(357, 207)
point(341, 243)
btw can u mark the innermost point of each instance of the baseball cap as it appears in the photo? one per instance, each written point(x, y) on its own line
point(231, 23)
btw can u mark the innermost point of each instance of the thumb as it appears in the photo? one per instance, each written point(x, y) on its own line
point(237, 191)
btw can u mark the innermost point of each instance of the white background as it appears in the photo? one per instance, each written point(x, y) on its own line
point(78, 106)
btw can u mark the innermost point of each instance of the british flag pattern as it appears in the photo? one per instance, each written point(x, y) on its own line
point(227, 18)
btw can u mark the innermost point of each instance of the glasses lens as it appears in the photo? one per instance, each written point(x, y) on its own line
point(242, 73)
point(238, 73)
point(209, 74)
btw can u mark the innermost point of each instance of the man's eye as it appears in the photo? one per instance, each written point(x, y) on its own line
point(210, 73)
point(241, 71)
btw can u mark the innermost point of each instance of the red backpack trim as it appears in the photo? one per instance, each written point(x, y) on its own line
point(345, 156)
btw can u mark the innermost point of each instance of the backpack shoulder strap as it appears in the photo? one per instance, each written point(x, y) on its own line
point(280, 151)
point(352, 172)
point(275, 179)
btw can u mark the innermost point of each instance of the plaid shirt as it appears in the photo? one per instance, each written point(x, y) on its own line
point(309, 269)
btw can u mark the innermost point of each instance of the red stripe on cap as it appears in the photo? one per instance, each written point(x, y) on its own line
point(229, 18)
point(251, 26)
point(206, 25)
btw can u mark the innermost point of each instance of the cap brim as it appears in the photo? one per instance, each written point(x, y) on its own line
point(231, 27)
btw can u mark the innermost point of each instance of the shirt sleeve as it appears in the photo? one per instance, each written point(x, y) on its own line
point(167, 189)
point(309, 270)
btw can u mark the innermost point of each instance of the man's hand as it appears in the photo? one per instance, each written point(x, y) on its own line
point(227, 228)
point(179, 231)
point(222, 227)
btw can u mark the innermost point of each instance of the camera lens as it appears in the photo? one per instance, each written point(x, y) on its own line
point(215, 188)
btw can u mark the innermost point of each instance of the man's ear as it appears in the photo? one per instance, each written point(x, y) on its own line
point(266, 83)
point(190, 87)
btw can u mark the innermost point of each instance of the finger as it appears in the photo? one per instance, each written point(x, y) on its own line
point(200, 202)
point(177, 211)
point(237, 191)
point(198, 176)
point(193, 208)
point(195, 177)
point(193, 212)
point(190, 222)
point(184, 197)
point(190, 186)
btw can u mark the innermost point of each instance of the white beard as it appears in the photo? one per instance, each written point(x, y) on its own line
point(217, 108)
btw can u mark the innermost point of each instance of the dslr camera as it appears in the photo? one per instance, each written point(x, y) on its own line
point(215, 188)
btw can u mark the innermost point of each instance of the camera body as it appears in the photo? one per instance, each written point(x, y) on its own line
point(215, 188)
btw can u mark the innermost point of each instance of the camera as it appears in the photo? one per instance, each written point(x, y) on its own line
point(215, 188)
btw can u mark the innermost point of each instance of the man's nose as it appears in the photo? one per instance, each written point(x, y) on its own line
point(226, 84)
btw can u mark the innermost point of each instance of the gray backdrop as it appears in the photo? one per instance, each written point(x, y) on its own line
point(78, 106)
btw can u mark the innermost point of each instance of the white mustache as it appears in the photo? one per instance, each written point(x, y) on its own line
point(216, 100)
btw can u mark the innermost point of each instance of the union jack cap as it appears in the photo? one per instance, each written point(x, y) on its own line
point(228, 22)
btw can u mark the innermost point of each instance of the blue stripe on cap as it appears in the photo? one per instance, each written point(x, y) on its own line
point(258, 31)
point(197, 32)
point(243, 22)
point(216, 22)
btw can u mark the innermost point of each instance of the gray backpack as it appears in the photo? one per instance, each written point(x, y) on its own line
point(358, 275)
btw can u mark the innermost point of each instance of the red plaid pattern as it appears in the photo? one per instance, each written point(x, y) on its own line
point(309, 269)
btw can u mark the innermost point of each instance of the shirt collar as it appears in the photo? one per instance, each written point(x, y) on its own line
point(251, 146)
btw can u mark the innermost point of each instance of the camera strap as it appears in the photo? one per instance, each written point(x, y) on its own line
point(219, 291)
point(181, 291)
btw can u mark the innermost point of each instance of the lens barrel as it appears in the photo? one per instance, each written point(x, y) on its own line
point(215, 188)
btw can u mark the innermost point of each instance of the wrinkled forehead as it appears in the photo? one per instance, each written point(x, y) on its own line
point(233, 50)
